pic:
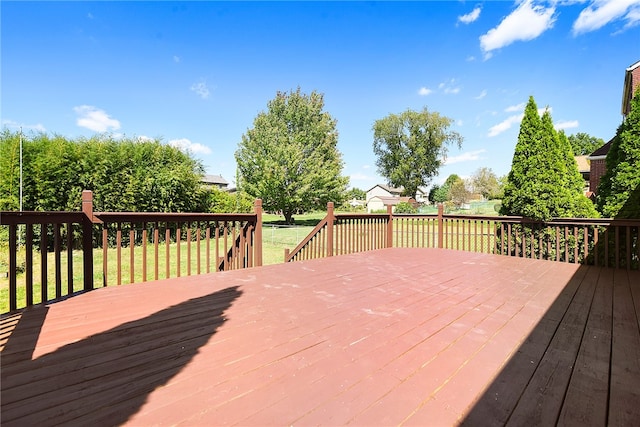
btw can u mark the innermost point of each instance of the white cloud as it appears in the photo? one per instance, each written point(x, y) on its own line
point(567, 124)
point(482, 94)
point(464, 157)
point(470, 17)
point(525, 23)
point(186, 145)
point(512, 120)
point(505, 125)
point(449, 87)
point(95, 119)
point(201, 89)
point(176, 58)
point(11, 124)
point(513, 108)
point(600, 12)
point(424, 91)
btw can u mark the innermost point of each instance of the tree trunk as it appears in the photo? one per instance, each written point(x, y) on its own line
point(288, 216)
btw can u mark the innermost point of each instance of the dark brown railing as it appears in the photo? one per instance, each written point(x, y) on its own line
point(148, 246)
point(604, 242)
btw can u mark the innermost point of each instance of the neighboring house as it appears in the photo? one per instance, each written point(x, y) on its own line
point(385, 195)
point(585, 170)
point(215, 181)
point(380, 203)
point(422, 196)
point(598, 165)
point(384, 191)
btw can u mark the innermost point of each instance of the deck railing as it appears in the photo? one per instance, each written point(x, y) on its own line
point(126, 247)
point(603, 241)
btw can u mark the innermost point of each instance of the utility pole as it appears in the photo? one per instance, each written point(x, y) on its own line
point(21, 168)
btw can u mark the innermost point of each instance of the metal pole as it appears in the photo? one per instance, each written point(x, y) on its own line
point(20, 226)
point(20, 168)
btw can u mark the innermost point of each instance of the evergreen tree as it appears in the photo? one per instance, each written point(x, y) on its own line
point(619, 189)
point(544, 181)
point(580, 206)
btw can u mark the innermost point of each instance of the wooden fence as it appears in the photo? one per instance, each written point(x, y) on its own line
point(605, 242)
point(147, 246)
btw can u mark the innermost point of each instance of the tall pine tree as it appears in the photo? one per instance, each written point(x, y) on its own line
point(619, 189)
point(542, 183)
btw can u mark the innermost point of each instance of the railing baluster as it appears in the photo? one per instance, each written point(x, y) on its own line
point(178, 244)
point(144, 251)
point(28, 264)
point(13, 267)
point(188, 249)
point(132, 246)
point(69, 258)
point(167, 244)
point(57, 252)
point(43, 263)
point(118, 252)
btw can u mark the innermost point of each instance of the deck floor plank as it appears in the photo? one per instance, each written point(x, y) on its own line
point(586, 400)
point(393, 336)
point(624, 405)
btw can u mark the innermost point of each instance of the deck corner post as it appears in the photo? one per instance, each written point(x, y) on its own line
point(257, 209)
point(286, 254)
point(389, 226)
point(330, 221)
point(87, 239)
point(440, 225)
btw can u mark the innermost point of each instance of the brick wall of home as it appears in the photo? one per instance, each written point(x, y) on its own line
point(635, 83)
point(598, 168)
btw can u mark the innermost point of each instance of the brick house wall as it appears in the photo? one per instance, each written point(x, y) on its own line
point(597, 158)
point(598, 168)
point(634, 82)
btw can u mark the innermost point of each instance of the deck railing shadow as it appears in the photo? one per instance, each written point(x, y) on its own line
point(108, 376)
point(147, 246)
point(602, 241)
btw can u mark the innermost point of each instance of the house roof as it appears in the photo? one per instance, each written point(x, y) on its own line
point(583, 163)
point(387, 188)
point(215, 180)
point(631, 83)
point(602, 151)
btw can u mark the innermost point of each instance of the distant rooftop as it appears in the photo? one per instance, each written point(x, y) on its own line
point(216, 180)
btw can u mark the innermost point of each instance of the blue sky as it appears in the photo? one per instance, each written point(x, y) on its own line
point(196, 74)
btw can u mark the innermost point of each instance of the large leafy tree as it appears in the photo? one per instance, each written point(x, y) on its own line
point(411, 146)
point(485, 182)
point(583, 143)
point(290, 158)
point(541, 183)
point(619, 189)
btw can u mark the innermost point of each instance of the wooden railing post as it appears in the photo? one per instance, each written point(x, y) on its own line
point(390, 226)
point(257, 209)
point(440, 225)
point(330, 220)
point(87, 239)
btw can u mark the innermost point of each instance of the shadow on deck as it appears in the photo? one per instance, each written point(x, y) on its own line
point(104, 378)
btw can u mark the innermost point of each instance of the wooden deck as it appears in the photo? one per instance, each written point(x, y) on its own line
point(387, 337)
